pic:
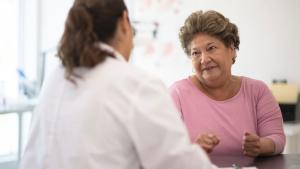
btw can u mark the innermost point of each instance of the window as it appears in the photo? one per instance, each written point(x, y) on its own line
point(8, 74)
point(12, 120)
point(8, 48)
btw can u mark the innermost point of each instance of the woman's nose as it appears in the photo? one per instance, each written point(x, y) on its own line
point(205, 58)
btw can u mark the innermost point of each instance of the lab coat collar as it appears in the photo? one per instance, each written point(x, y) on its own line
point(110, 49)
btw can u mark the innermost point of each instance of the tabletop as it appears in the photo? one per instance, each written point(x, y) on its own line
point(282, 161)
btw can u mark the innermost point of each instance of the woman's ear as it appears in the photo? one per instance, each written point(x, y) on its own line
point(233, 53)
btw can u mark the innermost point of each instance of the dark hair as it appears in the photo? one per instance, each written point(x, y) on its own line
point(211, 23)
point(88, 22)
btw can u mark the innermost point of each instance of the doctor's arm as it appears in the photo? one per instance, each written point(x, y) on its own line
point(159, 134)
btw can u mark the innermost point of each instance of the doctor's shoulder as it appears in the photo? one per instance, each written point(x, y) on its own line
point(126, 76)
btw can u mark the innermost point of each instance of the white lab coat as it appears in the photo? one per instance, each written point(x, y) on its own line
point(116, 117)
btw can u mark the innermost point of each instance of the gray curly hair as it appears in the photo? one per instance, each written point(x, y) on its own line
point(212, 23)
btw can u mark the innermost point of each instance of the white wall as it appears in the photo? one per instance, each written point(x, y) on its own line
point(269, 33)
point(41, 25)
point(270, 37)
point(53, 14)
point(28, 50)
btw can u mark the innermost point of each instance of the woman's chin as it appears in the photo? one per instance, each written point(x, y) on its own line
point(210, 81)
point(210, 77)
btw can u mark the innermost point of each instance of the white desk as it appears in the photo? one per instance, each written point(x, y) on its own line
point(292, 132)
point(19, 108)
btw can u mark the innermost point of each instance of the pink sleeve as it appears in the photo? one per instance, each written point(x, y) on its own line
point(175, 96)
point(270, 123)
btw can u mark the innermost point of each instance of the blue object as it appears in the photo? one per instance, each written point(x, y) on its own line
point(21, 73)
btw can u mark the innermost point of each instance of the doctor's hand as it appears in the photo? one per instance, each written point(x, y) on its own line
point(251, 144)
point(207, 141)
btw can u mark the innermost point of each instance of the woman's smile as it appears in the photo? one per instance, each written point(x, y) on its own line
point(207, 68)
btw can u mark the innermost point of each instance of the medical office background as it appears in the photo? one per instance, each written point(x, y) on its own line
point(30, 31)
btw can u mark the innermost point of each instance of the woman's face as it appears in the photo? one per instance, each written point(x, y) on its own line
point(211, 59)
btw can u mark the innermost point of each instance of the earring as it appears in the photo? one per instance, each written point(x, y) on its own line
point(233, 60)
point(193, 70)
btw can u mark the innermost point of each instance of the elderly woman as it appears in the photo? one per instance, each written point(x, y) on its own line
point(224, 113)
point(97, 111)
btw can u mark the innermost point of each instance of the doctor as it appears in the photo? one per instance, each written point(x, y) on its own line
point(97, 111)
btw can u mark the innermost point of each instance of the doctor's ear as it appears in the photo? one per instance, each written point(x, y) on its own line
point(125, 23)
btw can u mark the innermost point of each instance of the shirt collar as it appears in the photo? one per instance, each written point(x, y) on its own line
point(110, 49)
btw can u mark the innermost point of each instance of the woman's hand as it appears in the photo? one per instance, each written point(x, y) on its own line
point(254, 145)
point(207, 141)
point(251, 144)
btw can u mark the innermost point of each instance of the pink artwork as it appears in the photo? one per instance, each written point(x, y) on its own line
point(167, 49)
point(158, 6)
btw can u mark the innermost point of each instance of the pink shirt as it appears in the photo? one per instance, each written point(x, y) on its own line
point(252, 109)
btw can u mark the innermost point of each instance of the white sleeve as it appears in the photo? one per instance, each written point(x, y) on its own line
point(159, 135)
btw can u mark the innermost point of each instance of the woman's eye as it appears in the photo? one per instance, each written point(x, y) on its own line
point(195, 53)
point(211, 48)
